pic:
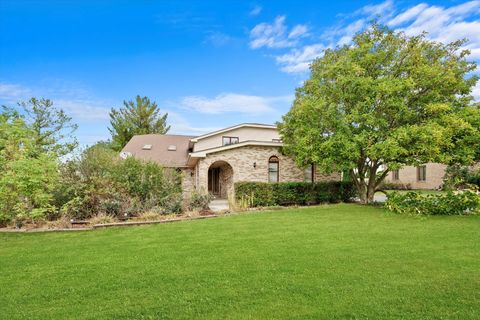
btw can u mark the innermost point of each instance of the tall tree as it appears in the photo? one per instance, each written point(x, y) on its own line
point(27, 176)
point(136, 117)
point(383, 102)
point(52, 129)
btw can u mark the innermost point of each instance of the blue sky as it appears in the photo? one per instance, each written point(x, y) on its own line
point(209, 64)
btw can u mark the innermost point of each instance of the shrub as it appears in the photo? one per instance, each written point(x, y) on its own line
point(460, 177)
point(255, 194)
point(102, 218)
point(199, 201)
point(450, 203)
point(26, 186)
point(99, 182)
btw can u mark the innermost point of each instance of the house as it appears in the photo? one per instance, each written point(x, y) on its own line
point(213, 162)
point(427, 176)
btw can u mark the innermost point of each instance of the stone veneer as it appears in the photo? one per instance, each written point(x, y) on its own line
point(408, 176)
point(242, 159)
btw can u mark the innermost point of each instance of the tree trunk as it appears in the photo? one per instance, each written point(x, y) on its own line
point(366, 188)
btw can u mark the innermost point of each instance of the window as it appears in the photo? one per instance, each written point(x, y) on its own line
point(229, 140)
point(273, 169)
point(147, 147)
point(395, 175)
point(422, 173)
point(309, 173)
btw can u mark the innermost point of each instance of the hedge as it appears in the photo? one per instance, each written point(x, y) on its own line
point(256, 194)
point(450, 203)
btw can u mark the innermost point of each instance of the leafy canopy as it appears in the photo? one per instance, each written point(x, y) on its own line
point(28, 177)
point(136, 117)
point(52, 129)
point(385, 101)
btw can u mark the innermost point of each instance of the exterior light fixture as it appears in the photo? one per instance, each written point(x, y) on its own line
point(254, 165)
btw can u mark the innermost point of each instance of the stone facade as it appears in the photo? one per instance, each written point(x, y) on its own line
point(408, 176)
point(242, 160)
point(188, 182)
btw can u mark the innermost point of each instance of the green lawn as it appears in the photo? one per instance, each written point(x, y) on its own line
point(330, 262)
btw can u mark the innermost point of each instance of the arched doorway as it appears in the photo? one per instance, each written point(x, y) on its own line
point(220, 179)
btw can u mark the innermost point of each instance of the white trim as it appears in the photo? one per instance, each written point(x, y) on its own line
point(250, 125)
point(203, 153)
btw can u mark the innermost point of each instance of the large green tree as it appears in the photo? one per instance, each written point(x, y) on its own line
point(383, 102)
point(141, 116)
point(27, 176)
point(52, 129)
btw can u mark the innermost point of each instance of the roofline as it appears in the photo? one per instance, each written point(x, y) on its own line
point(203, 153)
point(165, 134)
point(241, 125)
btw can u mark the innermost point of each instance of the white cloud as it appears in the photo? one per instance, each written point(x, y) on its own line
point(298, 60)
point(407, 15)
point(233, 102)
point(300, 30)
point(256, 11)
point(377, 10)
point(75, 101)
point(218, 39)
point(10, 92)
point(276, 35)
point(84, 109)
point(476, 92)
point(181, 126)
point(443, 24)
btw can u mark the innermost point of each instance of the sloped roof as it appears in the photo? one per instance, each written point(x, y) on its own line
point(159, 151)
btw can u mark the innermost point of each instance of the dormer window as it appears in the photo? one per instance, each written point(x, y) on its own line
point(229, 140)
point(172, 147)
point(147, 147)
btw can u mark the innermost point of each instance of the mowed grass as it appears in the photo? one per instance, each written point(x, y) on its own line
point(330, 262)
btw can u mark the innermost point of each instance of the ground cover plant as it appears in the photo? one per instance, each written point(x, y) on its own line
point(341, 261)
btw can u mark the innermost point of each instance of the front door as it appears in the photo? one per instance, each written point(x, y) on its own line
point(214, 181)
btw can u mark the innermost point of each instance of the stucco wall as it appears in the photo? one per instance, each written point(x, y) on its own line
point(242, 159)
point(408, 175)
point(243, 134)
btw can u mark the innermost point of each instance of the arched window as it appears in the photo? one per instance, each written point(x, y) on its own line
point(273, 169)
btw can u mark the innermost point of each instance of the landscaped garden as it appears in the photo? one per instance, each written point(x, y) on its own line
point(332, 261)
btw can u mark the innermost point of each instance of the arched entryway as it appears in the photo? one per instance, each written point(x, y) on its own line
point(220, 179)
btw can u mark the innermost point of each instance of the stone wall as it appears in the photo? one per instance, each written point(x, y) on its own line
point(188, 182)
point(242, 161)
point(408, 176)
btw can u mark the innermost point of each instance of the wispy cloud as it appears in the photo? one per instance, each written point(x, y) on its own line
point(11, 92)
point(255, 11)
point(276, 34)
point(217, 38)
point(298, 60)
point(180, 125)
point(476, 92)
point(74, 100)
point(444, 24)
point(233, 103)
